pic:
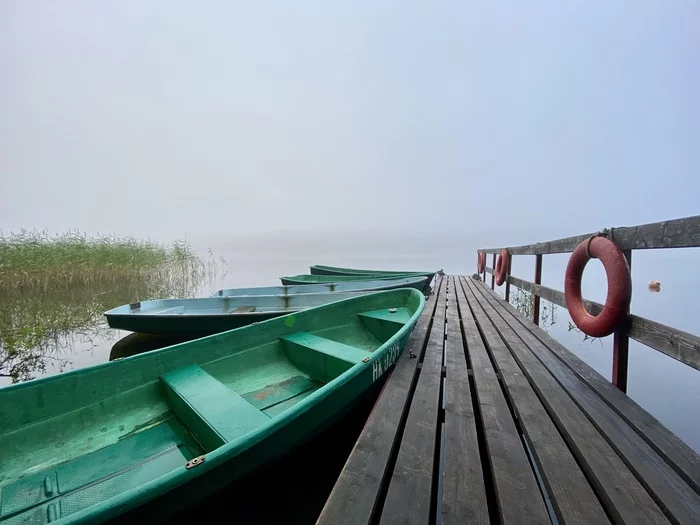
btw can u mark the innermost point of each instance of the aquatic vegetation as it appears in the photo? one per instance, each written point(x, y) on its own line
point(35, 261)
point(54, 290)
point(524, 302)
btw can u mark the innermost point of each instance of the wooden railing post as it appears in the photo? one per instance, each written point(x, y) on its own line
point(538, 280)
point(621, 346)
point(508, 282)
point(493, 275)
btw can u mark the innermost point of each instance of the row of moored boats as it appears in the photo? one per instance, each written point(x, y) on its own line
point(146, 436)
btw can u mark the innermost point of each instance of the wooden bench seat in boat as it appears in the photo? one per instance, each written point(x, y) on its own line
point(210, 410)
point(319, 357)
point(397, 316)
point(386, 322)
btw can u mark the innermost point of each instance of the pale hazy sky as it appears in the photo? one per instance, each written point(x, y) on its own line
point(170, 118)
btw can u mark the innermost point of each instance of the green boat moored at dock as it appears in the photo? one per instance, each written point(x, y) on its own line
point(418, 283)
point(319, 269)
point(325, 279)
point(211, 315)
point(156, 432)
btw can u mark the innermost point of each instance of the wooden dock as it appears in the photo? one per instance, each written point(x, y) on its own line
point(487, 419)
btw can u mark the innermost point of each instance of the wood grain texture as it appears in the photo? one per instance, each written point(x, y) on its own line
point(355, 495)
point(624, 497)
point(683, 459)
point(464, 493)
point(675, 233)
point(518, 495)
point(600, 456)
point(572, 497)
point(411, 485)
point(677, 500)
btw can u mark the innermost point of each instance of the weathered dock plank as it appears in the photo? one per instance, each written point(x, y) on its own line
point(411, 487)
point(464, 492)
point(518, 496)
point(673, 495)
point(677, 453)
point(362, 480)
point(525, 433)
point(573, 500)
point(624, 497)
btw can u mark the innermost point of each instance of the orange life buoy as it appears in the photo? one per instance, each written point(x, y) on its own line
point(617, 301)
point(502, 267)
point(480, 262)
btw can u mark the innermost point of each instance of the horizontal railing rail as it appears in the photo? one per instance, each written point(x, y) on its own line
point(677, 233)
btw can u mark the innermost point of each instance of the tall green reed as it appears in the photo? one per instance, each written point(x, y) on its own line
point(54, 289)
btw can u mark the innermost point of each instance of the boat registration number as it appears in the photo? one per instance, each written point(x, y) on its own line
point(385, 361)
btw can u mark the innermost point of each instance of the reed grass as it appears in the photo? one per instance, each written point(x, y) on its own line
point(35, 261)
point(524, 302)
point(56, 288)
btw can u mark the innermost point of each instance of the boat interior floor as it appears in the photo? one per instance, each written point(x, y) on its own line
point(73, 485)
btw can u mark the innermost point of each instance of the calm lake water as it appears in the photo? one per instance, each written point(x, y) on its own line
point(666, 388)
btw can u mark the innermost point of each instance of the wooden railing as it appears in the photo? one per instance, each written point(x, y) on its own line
point(677, 233)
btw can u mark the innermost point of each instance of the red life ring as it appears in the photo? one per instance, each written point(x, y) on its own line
point(480, 262)
point(502, 267)
point(617, 301)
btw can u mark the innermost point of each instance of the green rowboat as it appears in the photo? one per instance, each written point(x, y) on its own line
point(319, 269)
point(210, 315)
point(151, 434)
point(418, 283)
point(321, 279)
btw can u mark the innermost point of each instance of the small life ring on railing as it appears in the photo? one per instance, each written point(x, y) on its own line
point(480, 262)
point(617, 301)
point(502, 267)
